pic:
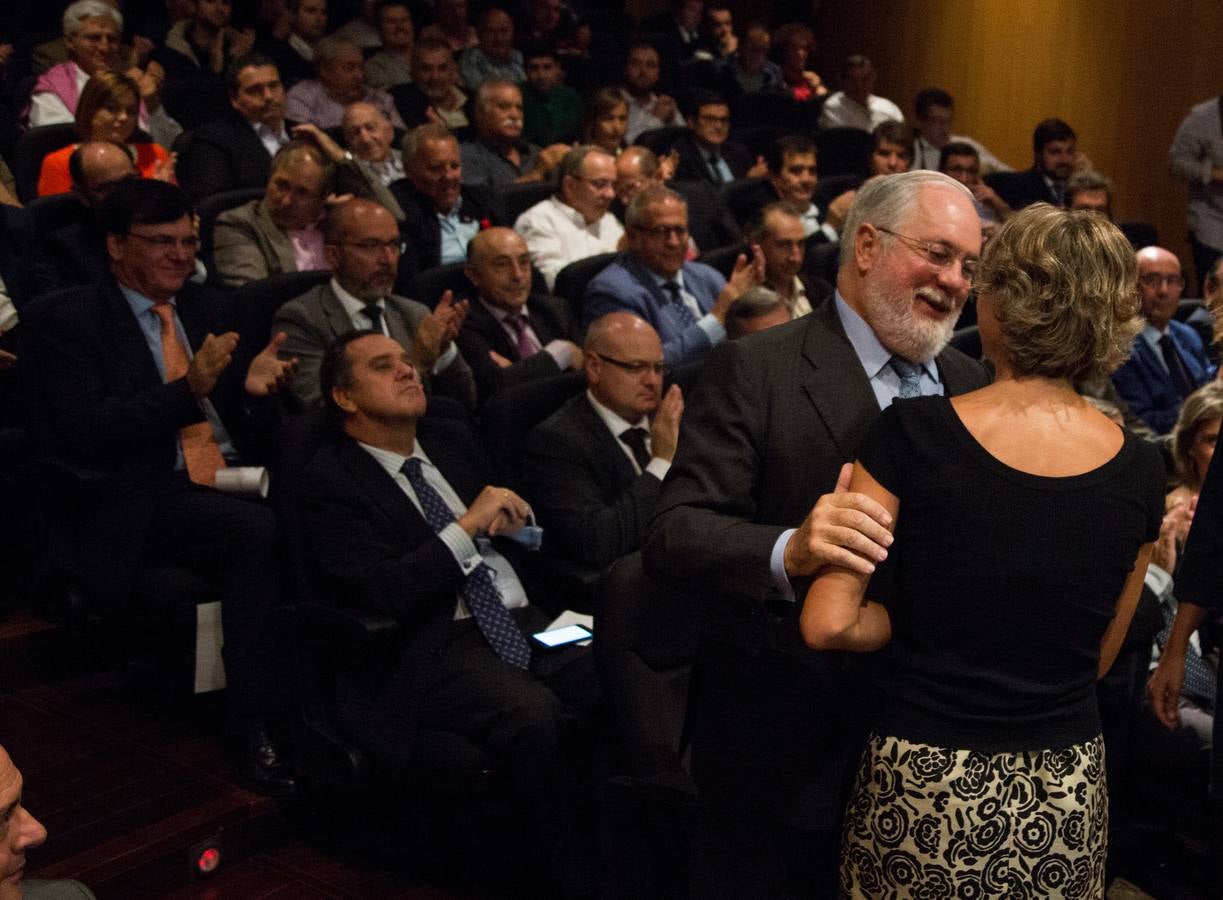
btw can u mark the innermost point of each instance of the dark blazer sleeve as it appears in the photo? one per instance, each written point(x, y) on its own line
point(593, 507)
point(482, 333)
point(1146, 388)
point(223, 156)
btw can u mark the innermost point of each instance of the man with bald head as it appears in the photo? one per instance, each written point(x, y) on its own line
point(362, 247)
point(341, 81)
point(370, 137)
point(594, 469)
point(1168, 361)
point(512, 335)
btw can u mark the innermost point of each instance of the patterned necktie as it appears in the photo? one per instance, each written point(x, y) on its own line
point(526, 346)
point(373, 312)
point(1176, 367)
point(685, 314)
point(1199, 680)
point(201, 453)
point(910, 377)
point(635, 438)
point(479, 589)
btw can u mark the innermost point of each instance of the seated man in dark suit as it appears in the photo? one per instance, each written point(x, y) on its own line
point(1056, 159)
point(685, 302)
point(511, 335)
point(433, 88)
point(236, 151)
point(142, 380)
point(294, 56)
point(1168, 361)
point(705, 153)
point(779, 235)
point(362, 246)
point(400, 518)
point(792, 179)
point(75, 253)
point(594, 469)
point(440, 213)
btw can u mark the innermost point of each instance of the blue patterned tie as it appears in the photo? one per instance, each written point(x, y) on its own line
point(685, 314)
point(479, 589)
point(910, 377)
point(1199, 680)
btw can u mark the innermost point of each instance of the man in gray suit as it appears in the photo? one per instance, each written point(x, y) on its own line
point(362, 248)
point(763, 448)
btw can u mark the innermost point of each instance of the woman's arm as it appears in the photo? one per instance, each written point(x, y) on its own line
point(836, 615)
point(1114, 636)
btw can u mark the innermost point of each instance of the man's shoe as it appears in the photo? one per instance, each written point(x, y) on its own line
point(259, 764)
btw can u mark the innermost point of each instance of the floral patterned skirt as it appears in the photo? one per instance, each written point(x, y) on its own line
point(931, 822)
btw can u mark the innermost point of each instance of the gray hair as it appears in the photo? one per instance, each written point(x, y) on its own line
point(571, 163)
point(329, 48)
point(1087, 181)
point(416, 138)
point(76, 14)
point(752, 304)
point(887, 200)
point(635, 215)
point(487, 86)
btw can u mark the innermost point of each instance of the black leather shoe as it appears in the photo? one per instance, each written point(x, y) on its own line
point(259, 764)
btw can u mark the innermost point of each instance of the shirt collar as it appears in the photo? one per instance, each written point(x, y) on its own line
point(1152, 335)
point(139, 303)
point(502, 314)
point(575, 217)
point(392, 462)
point(615, 424)
point(867, 346)
point(678, 278)
point(350, 303)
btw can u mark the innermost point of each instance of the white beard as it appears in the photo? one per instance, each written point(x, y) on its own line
point(901, 330)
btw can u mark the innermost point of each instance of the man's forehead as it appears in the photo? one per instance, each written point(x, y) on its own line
point(798, 160)
point(251, 76)
point(1157, 258)
point(368, 348)
point(666, 208)
point(180, 225)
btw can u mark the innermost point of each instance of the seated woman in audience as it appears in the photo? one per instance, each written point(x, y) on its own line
point(606, 121)
point(1024, 520)
point(793, 49)
point(1193, 441)
point(107, 111)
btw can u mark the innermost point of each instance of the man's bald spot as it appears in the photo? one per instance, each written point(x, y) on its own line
point(362, 108)
point(613, 327)
point(1154, 254)
point(103, 160)
point(344, 219)
point(637, 161)
point(483, 242)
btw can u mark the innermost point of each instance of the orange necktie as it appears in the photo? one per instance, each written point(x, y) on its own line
point(200, 450)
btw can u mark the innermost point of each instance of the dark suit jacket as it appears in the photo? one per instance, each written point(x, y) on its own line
point(291, 65)
point(764, 435)
point(693, 167)
point(71, 256)
point(16, 241)
point(375, 551)
point(710, 224)
point(1145, 385)
point(1020, 189)
point(627, 286)
point(421, 229)
point(550, 320)
point(224, 155)
point(591, 503)
point(104, 409)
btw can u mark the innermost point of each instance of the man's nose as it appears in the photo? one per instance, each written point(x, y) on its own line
point(31, 832)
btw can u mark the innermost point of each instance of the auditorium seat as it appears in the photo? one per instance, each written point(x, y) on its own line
point(571, 281)
point(515, 199)
point(661, 140)
point(723, 258)
point(843, 151)
point(32, 147)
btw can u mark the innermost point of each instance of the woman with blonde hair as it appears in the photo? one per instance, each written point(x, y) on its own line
point(1023, 522)
point(606, 121)
point(1193, 441)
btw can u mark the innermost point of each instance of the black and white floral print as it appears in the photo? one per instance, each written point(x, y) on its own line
point(933, 823)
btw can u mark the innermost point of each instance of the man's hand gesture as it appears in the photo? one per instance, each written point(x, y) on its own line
point(843, 529)
point(268, 373)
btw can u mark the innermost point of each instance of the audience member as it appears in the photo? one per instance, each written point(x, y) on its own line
point(718, 40)
point(294, 55)
point(512, 335)
point(362, 30)
point(370, 164)
point(433, 94)
point(758, 309)
point(498, 156)
point(1196, 157)
point(1090, 191)
point(495, 57)
point(792, 179)
point(779, 236)
point(451, 25)
point(554, 23)
point(1055, 148)
point(21, 832)
point(893, 149)
point(646, 109)
point(749, 70)
point(1168, 361)
point(679, 29)
point(144, 381)
point(363, 245)
point(552, 111)
point(56, 51)
point(280, 232)
point(705, 152)
point(961, 161)
point(575, 222)
point(594, 469)
point(794, 49)
point(935, 114)
point(236, 151)
point(605, 123)
point(392, 64)
point(855, 105)
point(774, 727)
point(400, 519)
point(204, 44)
point(17, 287)
point(341, 81)
point(685, 302)
point(106, 112)
point(440, 214)
point(636, 169)
point(1194, 437)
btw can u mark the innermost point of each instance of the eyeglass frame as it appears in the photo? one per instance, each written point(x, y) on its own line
point(399, 245)
point(663, 231)
point(930, 251)
point(1155, 281)
point(167, 242)
point(636, 368)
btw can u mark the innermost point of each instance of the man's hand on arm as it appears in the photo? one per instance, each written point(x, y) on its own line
point(269, 374)
point(496, 509)
point(843, 529)
point(664, 428)
point(210, 360)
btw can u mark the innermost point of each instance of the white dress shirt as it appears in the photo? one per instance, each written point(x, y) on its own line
point(557, 234)
point(842, 112)
point(657, 466)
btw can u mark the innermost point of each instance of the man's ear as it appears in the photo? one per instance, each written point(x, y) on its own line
point(866, 247)
point(113, 246)
point(332, 254)
point(342, 400)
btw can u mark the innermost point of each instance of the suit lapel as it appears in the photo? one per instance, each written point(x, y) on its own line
point(381, 490)
point(645, 278)
point(608, 452)
point(334, 313)
point(835, 382)
point(277, 239)
point(487, 324)
point(126, 335)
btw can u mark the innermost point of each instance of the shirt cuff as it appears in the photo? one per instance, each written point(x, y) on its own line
point(449, 355)
point(829, 232)
point(462, 547)
point(658, 467)
point(777, 565)
point(714, 330)
point(562, 352)
point(1158, 580)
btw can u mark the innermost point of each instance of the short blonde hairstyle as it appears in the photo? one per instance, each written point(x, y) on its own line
point(106, 90)
point(1200, 407)
point(1063, 286)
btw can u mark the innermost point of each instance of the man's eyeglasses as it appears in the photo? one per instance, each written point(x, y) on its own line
point(166, 242)
point(371, 246)
point(937, 254)
point(664, 231)
point(637, 367)
point(1155, 281)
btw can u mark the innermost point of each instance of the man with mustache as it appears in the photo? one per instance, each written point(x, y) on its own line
point(498, 156)
point(763, 447)
point(362, 247)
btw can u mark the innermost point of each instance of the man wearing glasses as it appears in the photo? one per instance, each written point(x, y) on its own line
point(705, 153)
point(1168, 361)
point(594, 469)
point(763, 449)
point(363, 247)
point(685, 302)
point(576, 222)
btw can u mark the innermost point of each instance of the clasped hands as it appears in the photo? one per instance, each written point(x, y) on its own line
point(844, 528)
point(266, 375)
